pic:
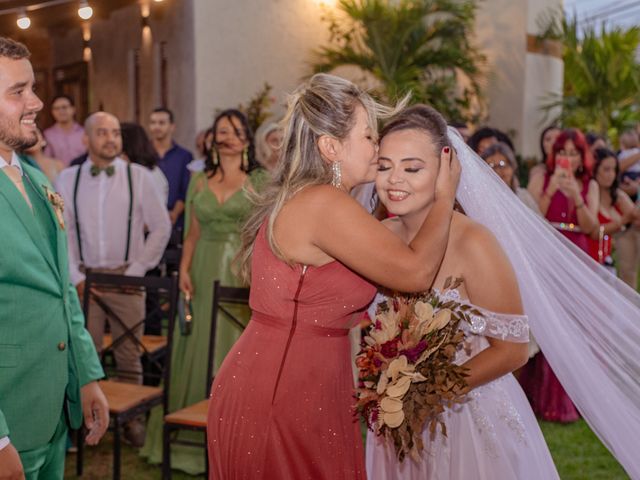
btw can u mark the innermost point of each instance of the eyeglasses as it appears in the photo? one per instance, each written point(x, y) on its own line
point(498, 165)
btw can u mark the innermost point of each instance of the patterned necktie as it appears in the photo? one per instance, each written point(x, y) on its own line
point(95, 170)
point(15, 176)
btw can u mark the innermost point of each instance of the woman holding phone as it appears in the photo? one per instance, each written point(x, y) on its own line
point(569, 198)
point(567, 195)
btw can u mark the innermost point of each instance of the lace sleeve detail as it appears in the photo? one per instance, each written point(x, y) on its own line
point(510, 328)
point(503, 326)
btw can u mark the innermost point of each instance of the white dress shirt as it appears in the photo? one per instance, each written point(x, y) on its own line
point(4, 441)
point(161, 183)
point(103, 206)
point(626, 154)
point(14, 162)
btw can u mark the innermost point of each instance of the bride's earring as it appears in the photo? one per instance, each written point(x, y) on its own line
point(336, 180)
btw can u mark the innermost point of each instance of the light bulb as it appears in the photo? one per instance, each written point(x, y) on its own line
point(24, 22)
point(85, 12)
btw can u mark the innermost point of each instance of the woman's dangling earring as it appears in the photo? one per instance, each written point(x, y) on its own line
point(214, 157)
point(336, 180)
point(245, 159)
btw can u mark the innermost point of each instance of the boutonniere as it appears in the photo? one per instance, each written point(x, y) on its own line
point(57, 203)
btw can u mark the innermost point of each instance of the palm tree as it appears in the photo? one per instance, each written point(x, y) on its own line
point(601, 78)
point(417, 46)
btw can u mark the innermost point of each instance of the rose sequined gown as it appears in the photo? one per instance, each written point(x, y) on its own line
point(281, 404)
point(492, 436)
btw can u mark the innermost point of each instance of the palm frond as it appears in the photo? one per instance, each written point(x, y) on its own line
point(420, 46)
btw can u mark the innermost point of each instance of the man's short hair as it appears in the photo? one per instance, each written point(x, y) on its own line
point(164, 110)
point(65, 96)
point(12, 49)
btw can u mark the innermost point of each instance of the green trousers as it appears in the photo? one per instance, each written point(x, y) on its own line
point(47, 462)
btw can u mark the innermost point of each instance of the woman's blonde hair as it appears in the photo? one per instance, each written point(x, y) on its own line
point(324, 105)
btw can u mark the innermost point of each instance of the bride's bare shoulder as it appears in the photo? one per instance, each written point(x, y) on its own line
point(473, 240)
point(489, 278)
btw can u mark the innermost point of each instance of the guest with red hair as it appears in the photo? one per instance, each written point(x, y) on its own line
point(569, 198)
point(567, 195)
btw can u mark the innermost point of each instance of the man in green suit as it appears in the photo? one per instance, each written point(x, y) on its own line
point(48, 364)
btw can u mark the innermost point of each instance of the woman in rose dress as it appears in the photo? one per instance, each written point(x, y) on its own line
point(281, 404)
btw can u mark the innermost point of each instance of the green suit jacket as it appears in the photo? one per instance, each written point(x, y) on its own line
point(46, 354)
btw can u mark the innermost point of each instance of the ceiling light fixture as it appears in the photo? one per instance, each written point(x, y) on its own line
point(23, 21)
point(85, 11)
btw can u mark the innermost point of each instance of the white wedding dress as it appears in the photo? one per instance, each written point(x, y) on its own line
point(493, 435)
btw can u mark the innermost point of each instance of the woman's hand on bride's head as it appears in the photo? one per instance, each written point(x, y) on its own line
point(448, 175)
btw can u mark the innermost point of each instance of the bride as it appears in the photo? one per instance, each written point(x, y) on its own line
point(494, 433)
point(586, 321)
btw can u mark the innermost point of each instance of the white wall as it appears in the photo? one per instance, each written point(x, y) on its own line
point(516, 80)
point(241, 44)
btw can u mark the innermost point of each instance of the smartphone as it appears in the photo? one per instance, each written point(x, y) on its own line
point(563, 163)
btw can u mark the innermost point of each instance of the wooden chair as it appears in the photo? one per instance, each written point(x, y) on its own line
point(152, 347)
point(126, 400)
point(194, 417)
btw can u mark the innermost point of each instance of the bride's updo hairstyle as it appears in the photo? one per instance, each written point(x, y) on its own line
point(324, 105)
point(424, 118)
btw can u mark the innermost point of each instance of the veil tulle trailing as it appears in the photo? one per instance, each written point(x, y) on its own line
point(586, 321)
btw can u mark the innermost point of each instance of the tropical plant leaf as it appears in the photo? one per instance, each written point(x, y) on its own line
point(417, 46)
point(601, 76)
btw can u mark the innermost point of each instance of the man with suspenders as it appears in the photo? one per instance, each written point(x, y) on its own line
point(111, 205)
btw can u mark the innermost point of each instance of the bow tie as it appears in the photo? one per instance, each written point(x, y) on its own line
point(95, 170)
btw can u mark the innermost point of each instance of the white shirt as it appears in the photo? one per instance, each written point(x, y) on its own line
point(196, 165)
point(103, 206)
point(626, 154)
point(161, 183)
point(14, 162)
point(4, 441)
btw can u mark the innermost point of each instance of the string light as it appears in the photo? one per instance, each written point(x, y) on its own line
point(85, 11)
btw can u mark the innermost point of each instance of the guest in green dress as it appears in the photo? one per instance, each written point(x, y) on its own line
point(217, 203)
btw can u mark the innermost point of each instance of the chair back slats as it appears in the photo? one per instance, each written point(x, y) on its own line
point(167, 286)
